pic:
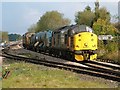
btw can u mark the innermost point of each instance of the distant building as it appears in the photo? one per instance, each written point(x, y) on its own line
point(105, 37)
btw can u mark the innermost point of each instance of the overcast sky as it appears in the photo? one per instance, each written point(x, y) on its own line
point(16, 17)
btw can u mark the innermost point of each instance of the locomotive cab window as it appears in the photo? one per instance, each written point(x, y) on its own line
point(89, 29)
point(84, 28)
point(79, 28)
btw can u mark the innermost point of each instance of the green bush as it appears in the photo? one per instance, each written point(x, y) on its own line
point(109, 50)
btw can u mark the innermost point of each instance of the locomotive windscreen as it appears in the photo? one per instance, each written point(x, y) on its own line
point(84, 28)
point(80, 28)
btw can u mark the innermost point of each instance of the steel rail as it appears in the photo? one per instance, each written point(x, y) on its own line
point(92, 71)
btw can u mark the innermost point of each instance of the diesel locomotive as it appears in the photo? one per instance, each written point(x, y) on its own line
point(76, 42)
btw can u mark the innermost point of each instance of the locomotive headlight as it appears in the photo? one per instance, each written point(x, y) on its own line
point(79, 35)
point(91, 34)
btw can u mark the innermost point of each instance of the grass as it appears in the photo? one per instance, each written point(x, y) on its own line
point(25, 75)
point(113, 56)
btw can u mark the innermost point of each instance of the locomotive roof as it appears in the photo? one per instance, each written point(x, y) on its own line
point(60, 29)
point(65, 28)
point(75, 29)
point(85, 28)
point(27, 34)
point(81, 28)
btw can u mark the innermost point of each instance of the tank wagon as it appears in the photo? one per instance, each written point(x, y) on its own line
point(76, 42)
point(41, 41)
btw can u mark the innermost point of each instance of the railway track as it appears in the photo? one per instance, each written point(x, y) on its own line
point(108, 72)
point(104, 65)
point(107, 61)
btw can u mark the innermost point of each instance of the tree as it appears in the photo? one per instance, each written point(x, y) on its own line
point(104, 14)
point(86, 17)
point(32, 28)
point(3, 36)
point(51, 20)
point(96, 10)
point(115, 18)
point(14, 37)
point(101, 12)
point(102, 23)
point(101, 26)
point(117, 25)
point(97, 5)
point(88, 8)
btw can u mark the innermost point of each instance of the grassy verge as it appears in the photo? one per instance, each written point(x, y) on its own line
point(25, 75)
point(114, 55)
point(110, 50)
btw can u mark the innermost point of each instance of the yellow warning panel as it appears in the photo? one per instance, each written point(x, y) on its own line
point(79, 57)
point(93, 57)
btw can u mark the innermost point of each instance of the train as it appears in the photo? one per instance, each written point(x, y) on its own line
point(74, 42)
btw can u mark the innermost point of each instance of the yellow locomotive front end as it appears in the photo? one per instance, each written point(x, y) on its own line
point(85, 46)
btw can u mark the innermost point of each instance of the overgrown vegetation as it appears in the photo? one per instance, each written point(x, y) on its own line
point(14, 37)
point(25, 75)
point(109, 49)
